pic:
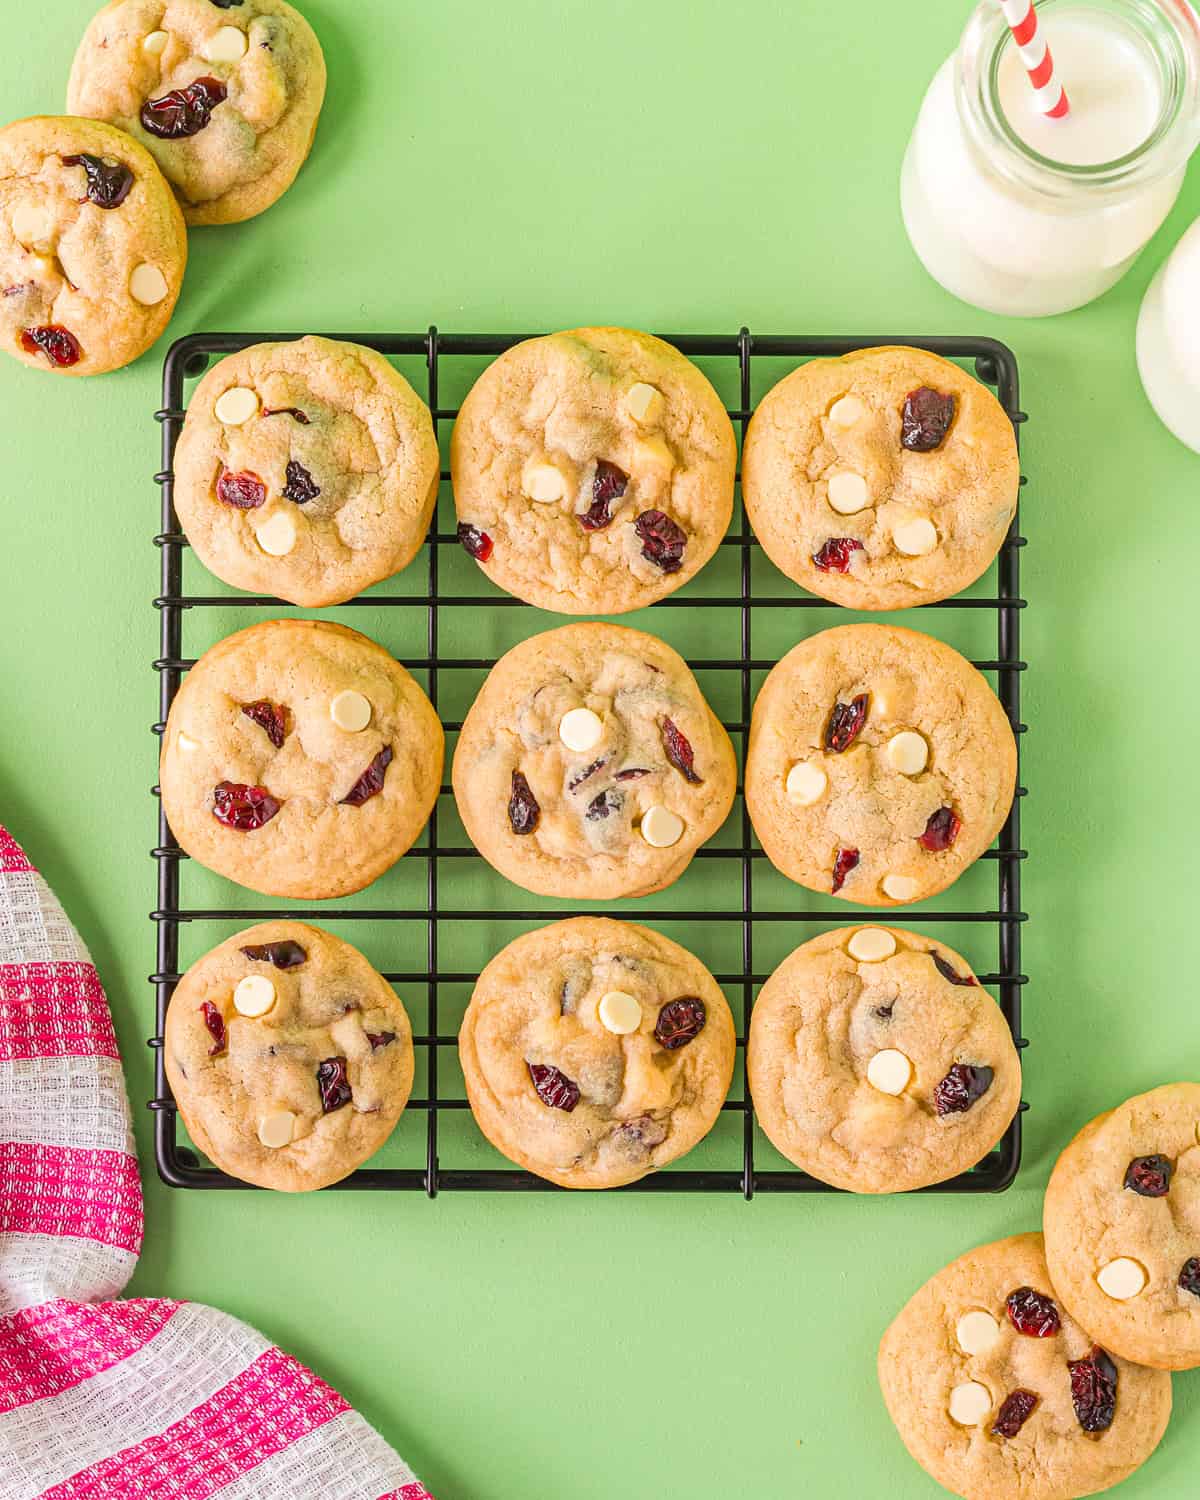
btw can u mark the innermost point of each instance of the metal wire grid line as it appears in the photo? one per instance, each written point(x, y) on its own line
point(994, 364)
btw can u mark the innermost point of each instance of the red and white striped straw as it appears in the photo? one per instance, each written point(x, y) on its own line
point(1050, 95)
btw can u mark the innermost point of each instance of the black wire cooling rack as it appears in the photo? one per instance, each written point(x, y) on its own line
point(178, 1164)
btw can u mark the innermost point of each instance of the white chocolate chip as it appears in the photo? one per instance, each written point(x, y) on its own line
point(847, 412)
point(277, 534)
point(619, 1013)
point(32, 225)
point(1122, 1278)
point(543, 481)
point(277, 1129)
point(580, 730)
point(907, 752)
point(916, 537)
point(889, 1071)
point(661, 827)
point(652, 456)
point(806, 783)
point(236, 405)
point(848, 493)
point(155, 43)
point(147, 285)
point(900, 887)
point(977, 1332)
point(226, 45)
point(253, 996)
point(871, 944)
point(970, 1403)
point(350, 711)
point(186, 743)
point(645, 403)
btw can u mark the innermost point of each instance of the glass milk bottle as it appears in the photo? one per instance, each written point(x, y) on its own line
point(1026, 215)
point(1168, 350)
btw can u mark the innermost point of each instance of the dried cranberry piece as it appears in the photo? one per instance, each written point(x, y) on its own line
point(586, 773)
point(58, 344)
point(1149, 1176)
point(640, 1135)
point(947, 972)
point(608, 484)
point(299, 488)
point(1032, 1313)
point(284, 955)
point(108, 182)
point(334, 1084)
point(926, 420)
point(631, 773)
point(183, 112)
point(835, 554)
point(379, 1039)
point(845, 723)
point(244, 808)
point(680, 753)
point(475, 542)
point(662, 540)
point(1189, 1276)
point(553, 1088)
point(245, 491)
point(960, 1088)
point(370, 783)
point(215, 1022)
point(844, 861)
point(1094, 1390)
point(607, 802)
point(1014, 1412)
point(285, 411)
point(523, 808)
point(941, 830)
point(271, 718)
point(680, 1022)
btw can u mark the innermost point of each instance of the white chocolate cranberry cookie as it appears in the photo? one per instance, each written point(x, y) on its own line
point(880, 480)
point(593, 471)
point(92, 246)
point(877, 1062)
point(290, 1058)
point(307, 470)
point(225, 94)
point(880, 764)
point(591, 766)
point(299, 759)
point(1000, 1395)
point(595, 1052)
point(1122, 1220)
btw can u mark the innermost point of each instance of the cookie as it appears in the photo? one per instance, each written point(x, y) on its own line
point(591, 766)
point(595, 1052)
point(880, 764)
point(878, 1064)
point(290, 1058)
point(593, 471)
point(1122, 1220)
point(92, 246)
point(880, 480)
point(299, 759)
point(308, 470)
point(224, 94)
point(1000, 1395)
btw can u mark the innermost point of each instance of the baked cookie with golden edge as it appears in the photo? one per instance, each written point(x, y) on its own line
point(877, 1062)
point(880, 764)
point(593, 471)
point(880, 480)
point(1000, 1395)
point(1122, 1220)
point(591, 766)
point(224, 94)
point(290, 1058)
point(595, 1052)
point(307, 470)
point(92, 246)
point(299, 759)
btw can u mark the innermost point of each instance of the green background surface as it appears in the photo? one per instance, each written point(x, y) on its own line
point(684, 167)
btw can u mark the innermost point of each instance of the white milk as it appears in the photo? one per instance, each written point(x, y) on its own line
point(1168, 349)
point(1024, 215)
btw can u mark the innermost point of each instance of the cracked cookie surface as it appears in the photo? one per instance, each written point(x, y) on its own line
point(224, 97)
point(290, 1062)
point(593, 471)
point(308, 470)
point(848, 511)
point(858, 1046)
point(590, 764)
point(880, 764)
point(299, 759)
point(559, 1091)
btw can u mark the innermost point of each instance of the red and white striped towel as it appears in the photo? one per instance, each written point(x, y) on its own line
point(144, 1399)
